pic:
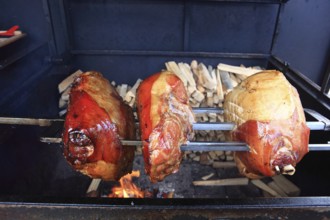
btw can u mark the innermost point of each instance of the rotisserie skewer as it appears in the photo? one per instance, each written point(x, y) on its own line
point(196, 146)
point(221, 126)
point(200, 145)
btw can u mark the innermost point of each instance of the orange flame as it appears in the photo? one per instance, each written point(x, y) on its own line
point(127, 188)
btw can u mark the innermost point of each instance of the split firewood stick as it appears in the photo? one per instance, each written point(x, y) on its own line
point(191, 90)
point(63, 112)
point(213, 155)
point(207, 176)
point(223, 182)
point(288, 187)
point(130, 95)
point(68, 81)
point(257, 68)
point(261, 185)
point(219, 85)
point(194, 69)
point(173, 67)
point(210, 101)
point(94, 185)
point(208, 81)
point(123, 90)
point(226, 80)
point(196, 158)
point(213, 75)
point(237, 69)
point(277, 189)
point(198, 96)
point(220, 164)
point(186, 71)
point(25, 121)
point(118, 88)
point(62, 103)
point(234, 81)
point(200, 87)
point(241, 77)
point(66, 94)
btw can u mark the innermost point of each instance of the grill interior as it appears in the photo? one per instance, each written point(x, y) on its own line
point(127, 40)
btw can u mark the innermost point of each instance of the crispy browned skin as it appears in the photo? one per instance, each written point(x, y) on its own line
point(96, 119)
point(270, 119)
point(165, 123)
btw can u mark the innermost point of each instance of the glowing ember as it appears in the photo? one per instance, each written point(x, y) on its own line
point(127, 188)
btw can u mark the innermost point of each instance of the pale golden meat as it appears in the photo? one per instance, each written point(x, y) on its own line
point(165, 123)
point(96, 120)
point(269, 117)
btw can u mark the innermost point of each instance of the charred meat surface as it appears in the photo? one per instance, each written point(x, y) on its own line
point(165, 123)
point(96, 120)
point(269, 117)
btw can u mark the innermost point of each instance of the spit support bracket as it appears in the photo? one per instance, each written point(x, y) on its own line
point(319, 118)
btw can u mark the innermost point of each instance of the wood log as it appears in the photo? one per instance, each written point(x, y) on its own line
point(210, 101)
point(123, 90)
point(62, 112)
point(221, 164)
point(207, 176)
point(62, 103)
point(212, 155)
point(226, 81)
point(198, 96)
point(173, 67)
point(234, 81)
point(94, 185)
point(68, 81)
point(261, 185)
point(204, 159)
point(223, 182)
point(207, 79)
point(130, 95)
point(277, 189)
point(220, 93)
point(200, 88)
point(191, 90)
point(186, 71)
point(286, 185)
point(237, 69)
point(196, 158)
point(66, 94)
point(219, 153)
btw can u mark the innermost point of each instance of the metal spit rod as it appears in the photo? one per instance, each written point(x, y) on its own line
point(322, 123)
point(216, 126)
point(199, 145)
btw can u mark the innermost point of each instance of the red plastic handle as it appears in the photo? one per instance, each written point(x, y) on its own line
point(10, 31)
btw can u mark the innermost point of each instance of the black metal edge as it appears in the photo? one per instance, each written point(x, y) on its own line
point(302, 81)
point(238, 1)
point(179, 203)
point(326, 80)
point(171, 53)
point(59, 35)
point(19, 55)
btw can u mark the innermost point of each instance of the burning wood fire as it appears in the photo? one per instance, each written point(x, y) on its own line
point(127, 188)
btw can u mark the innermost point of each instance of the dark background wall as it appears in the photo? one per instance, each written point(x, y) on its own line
point(304, 37)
